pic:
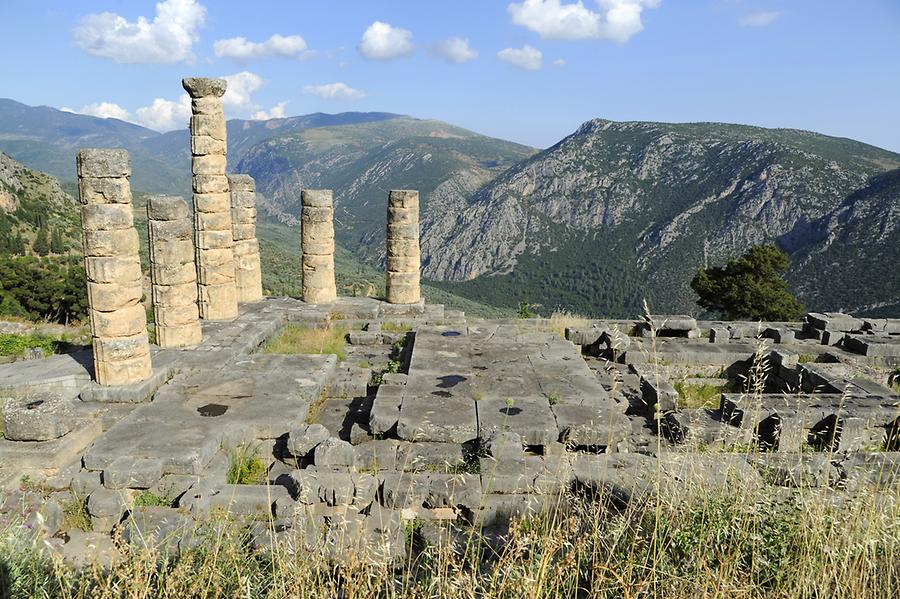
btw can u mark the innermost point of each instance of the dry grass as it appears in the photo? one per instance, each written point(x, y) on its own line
point(699, 544)
point(559, 321)
point(296, 339)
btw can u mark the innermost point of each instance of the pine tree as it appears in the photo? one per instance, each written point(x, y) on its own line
point(751, 287)
point(56, 242)
point(41, 245)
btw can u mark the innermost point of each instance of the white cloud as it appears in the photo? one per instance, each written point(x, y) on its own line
point(239, 48)
point(384, 42)
point(559, 62)
point(103, 110)
point(525, 57)
point(165, 115)
point(277, 112)
point(238, 94)
point(455, 50)
point(616, 20)
point(168, 38)
point(333, 91)
point(759, 19)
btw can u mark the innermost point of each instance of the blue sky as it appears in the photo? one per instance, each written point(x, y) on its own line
point(526, 70)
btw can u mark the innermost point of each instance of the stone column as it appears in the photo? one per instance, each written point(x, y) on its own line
point(247, 270)
point(212, 201)
point(403, 259)
point(113, 268)
point(317, 244)
point(173, 272)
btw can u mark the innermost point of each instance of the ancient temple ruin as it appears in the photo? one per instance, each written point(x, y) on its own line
point(422, 415)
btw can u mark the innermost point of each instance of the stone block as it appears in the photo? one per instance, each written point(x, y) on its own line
point(210, 183)
point(106, 503)
point(188, 335)
point(104, 191)
point(212, 202)
point(214, 240)
point(403, 198)
point(123, 372)
point(658, 394)
point(218, 302)
point(334, 453)
point(321, 198)
point(173, 252)
point(206, 144)
point(242, 232)
point(120, 243)
point(174, 273)
point(38, 417)
point(240, 182)
point(112, 270)
point(180, 312)
point(303, 439)
point(114, 349)
point(126, 472)
point(719, 335)
point(123, 322)
point(201, 87)
point(103, 163)
point(182, 294)
point(171, 230)
point(165, 207)
point(213, 221)
point(106, 217)
point(106, 297)
point(211, 125)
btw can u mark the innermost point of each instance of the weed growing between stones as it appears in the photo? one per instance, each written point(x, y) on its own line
point(245, 467)
point(75, 514)
point(150, 499)
point(295, 339)
point(705, 395)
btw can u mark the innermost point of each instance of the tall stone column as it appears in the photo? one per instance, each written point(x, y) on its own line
point(113, 268)
point(247, 270)
point(317, 244)
point(403, 259)
point(212, 200)
point(173, 273)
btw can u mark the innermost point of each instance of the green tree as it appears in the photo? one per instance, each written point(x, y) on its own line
point(56, 242)
point(41, 244)
point(751, 287)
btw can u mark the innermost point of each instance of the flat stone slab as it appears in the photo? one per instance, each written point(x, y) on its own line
point(64, 373)
point(259, 397)
point(478, 381)
point(49, 455)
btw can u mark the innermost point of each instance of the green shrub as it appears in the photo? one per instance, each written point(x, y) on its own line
point(13, 344)
point(245, 467)
point(149, 498)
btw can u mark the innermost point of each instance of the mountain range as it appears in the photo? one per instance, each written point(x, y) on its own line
point(614, 213)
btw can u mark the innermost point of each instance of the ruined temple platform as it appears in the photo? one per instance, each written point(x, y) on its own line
point(433, 417)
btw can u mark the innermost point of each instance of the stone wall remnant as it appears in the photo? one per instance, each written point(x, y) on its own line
point(247, 269)
point(317, 244)
point(403, 259)
point(173, 273)
point(113, 268)
point(212, 200)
